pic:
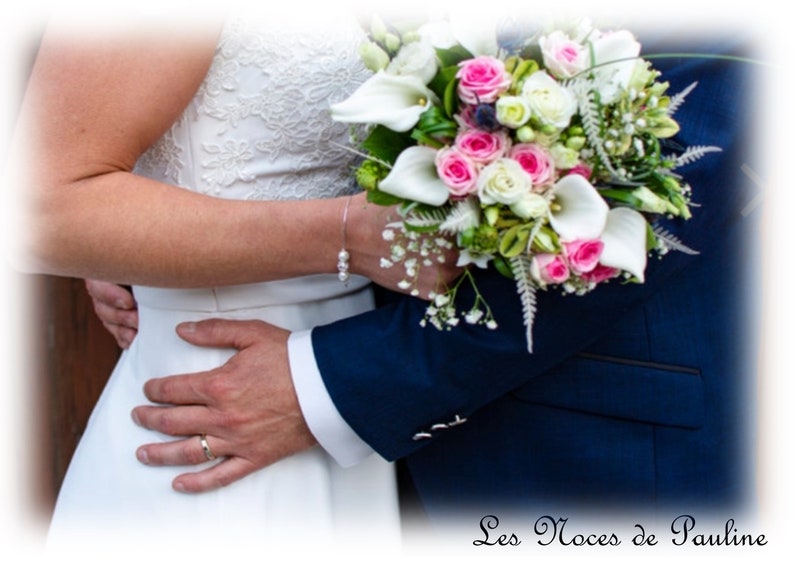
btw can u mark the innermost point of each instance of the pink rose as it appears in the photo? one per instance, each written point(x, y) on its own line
point(481, 146)
point(466, 117)
point(581, 169)
point(600, 274)
point(550, 268)
point(482, 79)
point(457, 171)
point(583, 255)
point(536, 161)
point(562, 56)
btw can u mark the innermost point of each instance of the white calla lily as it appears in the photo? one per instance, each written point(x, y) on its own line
point(577, 212)
point(395, 102)
point(414, 177)
point(624, 240)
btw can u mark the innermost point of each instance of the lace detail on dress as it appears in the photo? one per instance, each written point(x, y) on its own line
point(166, 156)
point(259, 126)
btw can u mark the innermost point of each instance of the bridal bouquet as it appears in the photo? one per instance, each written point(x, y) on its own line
point(540, 153)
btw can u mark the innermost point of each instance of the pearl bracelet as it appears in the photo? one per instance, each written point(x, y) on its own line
point(343, 257)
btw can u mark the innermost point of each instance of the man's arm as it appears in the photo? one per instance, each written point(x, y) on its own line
point(393, 380)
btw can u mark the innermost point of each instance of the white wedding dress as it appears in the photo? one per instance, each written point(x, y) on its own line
point(258, 128)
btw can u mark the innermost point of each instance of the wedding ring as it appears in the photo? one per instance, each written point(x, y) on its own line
point(206, 447)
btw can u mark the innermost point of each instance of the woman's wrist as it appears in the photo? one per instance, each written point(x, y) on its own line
point(364, 235)
point(343, 257)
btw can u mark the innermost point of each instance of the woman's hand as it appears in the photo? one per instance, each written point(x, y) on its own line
point(364, 235)
point(116, 309)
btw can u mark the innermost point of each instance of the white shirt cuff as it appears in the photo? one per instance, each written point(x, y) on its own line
point(323, 418)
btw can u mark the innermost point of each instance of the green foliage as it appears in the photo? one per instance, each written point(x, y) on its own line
point(453, 55)
point(385, 144)
point(434, 128)
point(514, 240)
point(384, 199)
point(370, 173)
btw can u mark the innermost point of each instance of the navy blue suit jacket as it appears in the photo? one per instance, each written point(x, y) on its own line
point(636, 395)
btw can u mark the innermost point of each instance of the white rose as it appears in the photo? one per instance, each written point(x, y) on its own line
point(503, 181)
point(532, 205)
point(564, 157)
point(550, 102)
point(415, 59)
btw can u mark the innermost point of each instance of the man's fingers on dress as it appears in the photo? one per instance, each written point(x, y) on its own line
point(185, 420)
point(219, 475)
point(185, 452)
point(222, 333)
point(181, 389)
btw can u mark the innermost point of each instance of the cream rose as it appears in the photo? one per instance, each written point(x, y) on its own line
point(504, 181)
point(513, 111)
point(551, 103)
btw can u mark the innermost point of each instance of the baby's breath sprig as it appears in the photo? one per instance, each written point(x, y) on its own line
point(412, 251)
point(442, 313)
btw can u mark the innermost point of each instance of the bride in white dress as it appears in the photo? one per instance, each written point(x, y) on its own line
point(257, 129)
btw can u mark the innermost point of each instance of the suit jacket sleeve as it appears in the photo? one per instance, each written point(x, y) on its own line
point(391, 378)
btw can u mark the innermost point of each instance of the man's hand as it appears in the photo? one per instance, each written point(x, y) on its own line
point(247, 407)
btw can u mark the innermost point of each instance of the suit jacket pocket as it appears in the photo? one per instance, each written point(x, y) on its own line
point(629, 389)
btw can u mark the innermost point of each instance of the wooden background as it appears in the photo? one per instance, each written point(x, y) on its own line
point(75, 357)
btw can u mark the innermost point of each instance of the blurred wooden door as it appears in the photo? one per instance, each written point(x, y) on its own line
point(76, 355)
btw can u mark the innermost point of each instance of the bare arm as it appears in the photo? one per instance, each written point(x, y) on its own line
point(93, 107)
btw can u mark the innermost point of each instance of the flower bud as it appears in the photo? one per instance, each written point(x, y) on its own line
point(651, 202)
point(392, 42)
point(373, 57)
point(671, 184)
point(545, 241)
point(575, 142)
point(378, 29)
point(525, 134)
point(663, 127)
point(491, 214)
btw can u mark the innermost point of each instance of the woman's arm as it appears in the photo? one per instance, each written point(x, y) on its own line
point(93, 106)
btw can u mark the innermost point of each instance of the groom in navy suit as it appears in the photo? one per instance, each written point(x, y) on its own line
point(635, 396)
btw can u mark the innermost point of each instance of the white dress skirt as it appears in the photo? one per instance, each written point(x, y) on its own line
point(258, 128)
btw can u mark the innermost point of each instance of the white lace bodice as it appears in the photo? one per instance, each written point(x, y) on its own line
point(259, 126)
